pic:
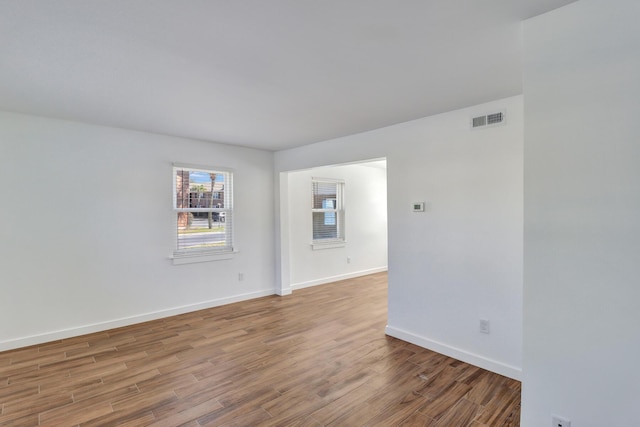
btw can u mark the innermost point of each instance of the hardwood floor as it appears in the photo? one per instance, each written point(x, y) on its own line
point(318, 357)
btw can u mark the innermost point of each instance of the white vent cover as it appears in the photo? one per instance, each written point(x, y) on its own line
point(488, 120)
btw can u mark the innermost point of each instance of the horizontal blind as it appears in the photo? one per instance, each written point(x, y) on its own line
point(327, 213)
point(203, 205)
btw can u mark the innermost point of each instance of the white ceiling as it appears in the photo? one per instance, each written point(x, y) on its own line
point(265, 74)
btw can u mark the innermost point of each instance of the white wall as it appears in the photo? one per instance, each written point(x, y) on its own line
point(582, 215)
point(365, 225)
point(462, 260)
point(86, 229)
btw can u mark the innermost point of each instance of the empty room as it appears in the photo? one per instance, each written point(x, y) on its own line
point(337, 213)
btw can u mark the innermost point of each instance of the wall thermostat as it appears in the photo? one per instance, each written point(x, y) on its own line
point(418, 206)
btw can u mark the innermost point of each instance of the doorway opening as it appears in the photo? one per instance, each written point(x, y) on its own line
point(361, 221)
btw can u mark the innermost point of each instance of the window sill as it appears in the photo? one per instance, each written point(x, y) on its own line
point(192, 259)
point(328, 245)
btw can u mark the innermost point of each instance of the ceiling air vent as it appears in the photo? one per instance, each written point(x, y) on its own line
point(488, 120)
point(479, 121)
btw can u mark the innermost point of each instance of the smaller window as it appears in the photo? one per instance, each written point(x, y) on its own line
point(327, 210)
point(203, 206)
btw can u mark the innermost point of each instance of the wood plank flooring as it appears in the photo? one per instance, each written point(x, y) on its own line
point(318, 357)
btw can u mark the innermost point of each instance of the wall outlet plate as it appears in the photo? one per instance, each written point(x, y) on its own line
point(557, 421)
point(418, 206)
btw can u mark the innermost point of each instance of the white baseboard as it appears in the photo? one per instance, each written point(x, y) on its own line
point(125, 321)
point(330, 279)
point(463, 355)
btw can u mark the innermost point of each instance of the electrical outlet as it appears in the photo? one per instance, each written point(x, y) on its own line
point(484, 326)
point(557, 421)
point(240, 277)
point(348, 260)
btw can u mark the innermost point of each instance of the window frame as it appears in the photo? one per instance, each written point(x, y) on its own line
point(189, 255)
point(337, 214)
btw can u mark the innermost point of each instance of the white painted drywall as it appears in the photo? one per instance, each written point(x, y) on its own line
point(365, 225)
point(86, 228)
point(582, 215)
point(461, 260)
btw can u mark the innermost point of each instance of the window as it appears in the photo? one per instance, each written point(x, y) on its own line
point(203, 205)
point(327, 211)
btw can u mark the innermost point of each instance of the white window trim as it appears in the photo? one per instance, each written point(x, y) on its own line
point(317, 246)
point(340, 242)
point(202, 258)
point(188, 256)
